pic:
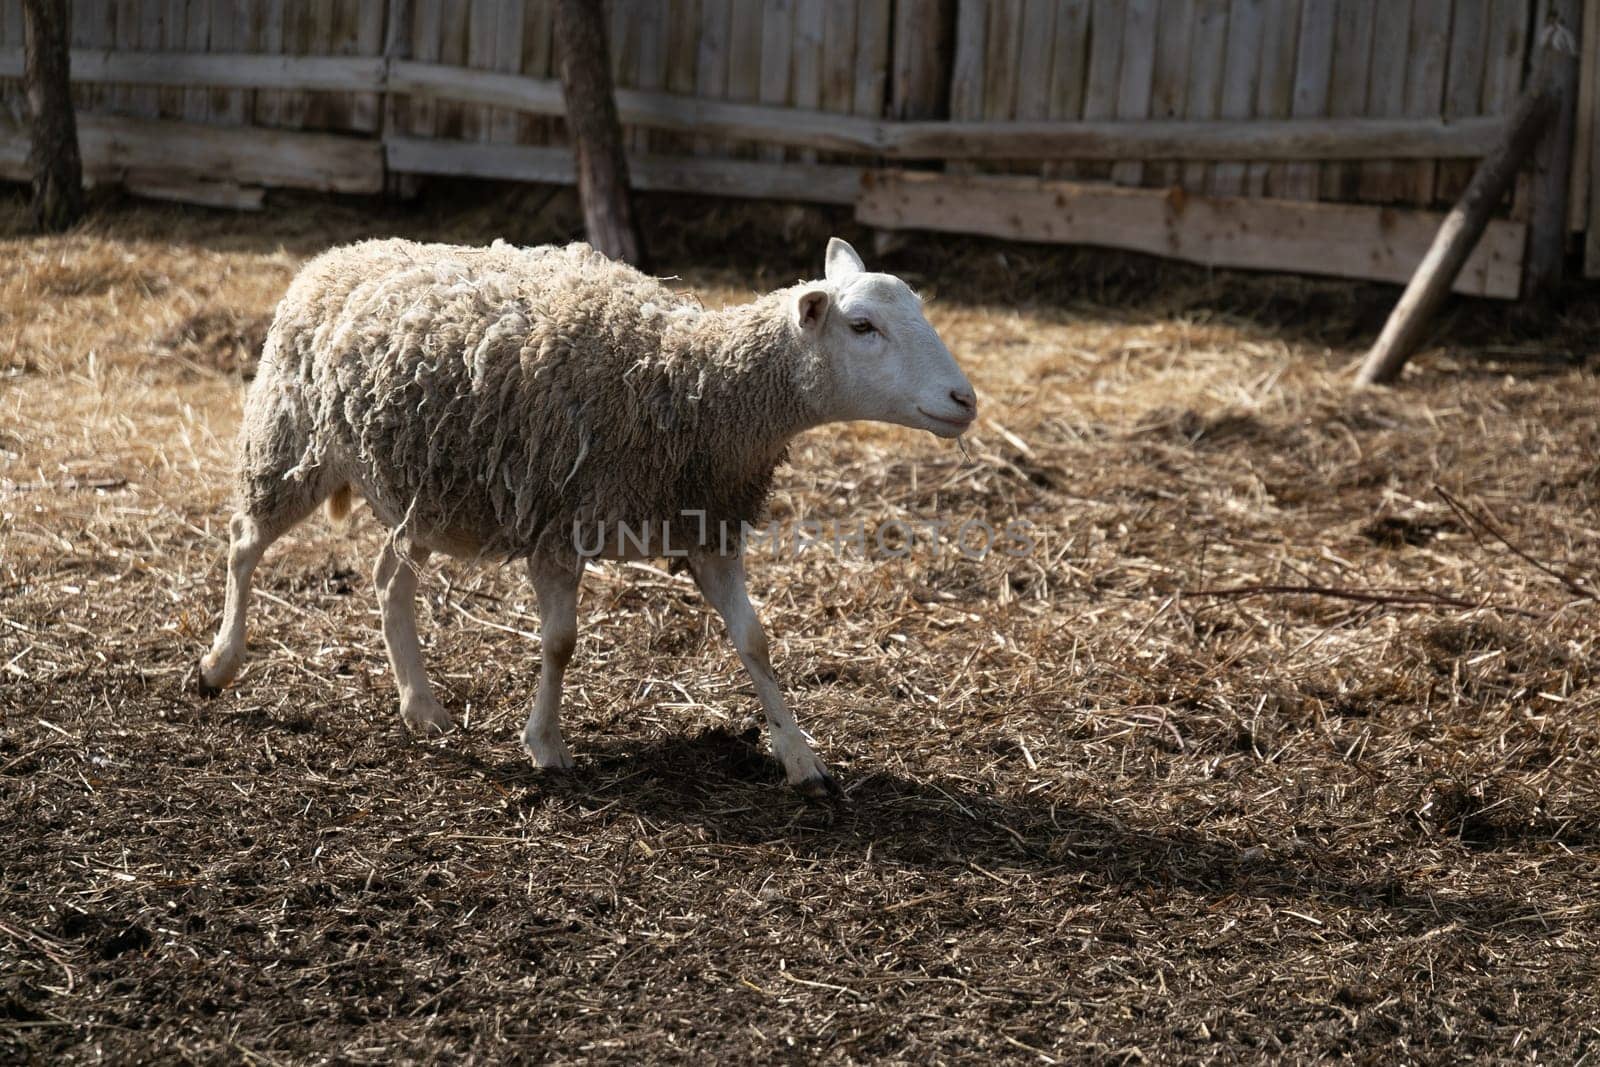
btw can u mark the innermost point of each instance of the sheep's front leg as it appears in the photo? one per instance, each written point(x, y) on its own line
point(721, 580)
point(396, 579)
point(556, 585)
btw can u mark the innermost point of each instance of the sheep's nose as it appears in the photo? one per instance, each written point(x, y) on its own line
point(965, 400)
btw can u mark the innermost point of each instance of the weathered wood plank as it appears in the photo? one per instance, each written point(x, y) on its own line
point(1203, 94)
point(1000, 64)
point(267, 33)
point(1136, 76)
point(711, 58)
point(427, 28)
point(805, 78)
point(508, 33)
point(1106, 19)
point(1425, 72)
point(163, 150)
point(1169, 90)
point(922, 56)
point(196, 41)
point(1379, 181)
point(1101, 141)
point(972, 46)
point(1241, 80)
point(1342, 240)
point(1313, 79)
point(1352, 59)
point(1037, 30)
point(778, 50)
point(1069, 70)
point(1506, 62)
point(873, 57)
point(1588, 99)
point(1463, 93)
point(232, 70)
point(1280, 32)
point(814, 183)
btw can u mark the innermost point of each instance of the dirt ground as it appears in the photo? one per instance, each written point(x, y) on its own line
point(1280, 744)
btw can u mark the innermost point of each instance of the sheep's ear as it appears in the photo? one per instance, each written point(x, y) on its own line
point(810, 308)
point(842, 260)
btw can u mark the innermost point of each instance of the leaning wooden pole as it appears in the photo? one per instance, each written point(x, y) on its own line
point(596, 132)
point(1458, 236)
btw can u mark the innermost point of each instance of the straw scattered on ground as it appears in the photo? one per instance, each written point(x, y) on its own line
point(1280, 742)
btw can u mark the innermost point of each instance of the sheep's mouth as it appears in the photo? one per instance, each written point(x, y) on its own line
point(955, 426)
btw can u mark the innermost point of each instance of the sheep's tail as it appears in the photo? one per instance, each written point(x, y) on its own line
point(339, 504)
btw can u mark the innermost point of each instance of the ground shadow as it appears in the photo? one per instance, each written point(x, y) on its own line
point(726, 784)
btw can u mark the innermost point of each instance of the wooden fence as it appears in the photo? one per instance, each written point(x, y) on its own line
point(1313, 135)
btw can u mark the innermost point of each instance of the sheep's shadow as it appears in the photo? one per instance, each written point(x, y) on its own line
point(726, 784)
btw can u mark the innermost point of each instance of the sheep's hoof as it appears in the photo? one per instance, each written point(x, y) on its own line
point(427, 717)
point(205, 688)
point(548, 755)
point(820, 786)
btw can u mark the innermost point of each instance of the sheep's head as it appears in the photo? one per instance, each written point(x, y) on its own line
point(881, 360)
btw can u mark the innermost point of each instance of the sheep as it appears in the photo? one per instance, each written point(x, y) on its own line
point(520, 404)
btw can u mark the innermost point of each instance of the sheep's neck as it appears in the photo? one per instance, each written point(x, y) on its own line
point(755, 391)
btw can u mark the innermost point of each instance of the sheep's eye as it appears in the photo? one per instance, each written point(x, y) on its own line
point(863, 326)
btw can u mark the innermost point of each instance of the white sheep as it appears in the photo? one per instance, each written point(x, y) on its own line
point(507, 403)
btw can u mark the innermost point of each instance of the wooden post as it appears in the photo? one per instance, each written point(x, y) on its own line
point(1462, 228)
point(53, 153)
point(1547, 234)
point(596, 133)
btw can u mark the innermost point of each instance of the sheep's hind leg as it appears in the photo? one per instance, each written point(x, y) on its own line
point(396, 579)
point(721, 580)
point(556, 585)
point(249, 537)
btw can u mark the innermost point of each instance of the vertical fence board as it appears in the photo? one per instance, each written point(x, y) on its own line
point(1506, 53)
point(745, 41)
point(1069, 70)
point(510, 15)
point(1038, 30)
point(371, 23)
point(1312, 79)
point(777, 61)
point(1169, 87)
point(1463, 91)
point(839, 56)
point(269, 40)
point(1105, 71)
point(1203, 94)
point(426, 30)
point(1347, 97)
point(1240, 80)
point(873, 56)
point(1136, 76)
point(450, 119)
point(966, 77)
point(1591, 62)
point(1427, 57)
point(1381, 180)
point(482, 20)
point(1000, 65)
point(196, 39)
point(805, 88)
point(711, 58)
point(1588, 86)
point(1280, 33)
